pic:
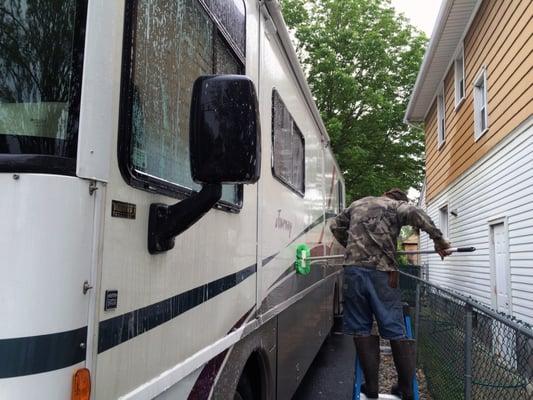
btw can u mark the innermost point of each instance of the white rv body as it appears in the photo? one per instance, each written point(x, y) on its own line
point(187, 322)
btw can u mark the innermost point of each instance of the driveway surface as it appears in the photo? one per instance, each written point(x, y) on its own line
point(332, 372)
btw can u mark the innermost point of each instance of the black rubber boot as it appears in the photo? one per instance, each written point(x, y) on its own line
point(404, 354)
point(368, 351)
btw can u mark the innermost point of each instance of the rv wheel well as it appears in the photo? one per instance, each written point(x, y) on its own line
point(253, 381)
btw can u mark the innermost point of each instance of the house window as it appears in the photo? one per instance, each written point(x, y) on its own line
point(440, 119)
point(481, 122)
point(443, 220)
point(459, 78)
point(288, 153)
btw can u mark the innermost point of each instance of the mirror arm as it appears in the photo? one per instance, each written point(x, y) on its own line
point(166, 222)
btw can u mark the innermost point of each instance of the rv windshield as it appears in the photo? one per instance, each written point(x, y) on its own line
point(41, 49)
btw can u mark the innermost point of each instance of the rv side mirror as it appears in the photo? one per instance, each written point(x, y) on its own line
point(225, 138)
point(225, 147)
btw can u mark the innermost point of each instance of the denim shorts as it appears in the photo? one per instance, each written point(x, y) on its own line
point(367, 293)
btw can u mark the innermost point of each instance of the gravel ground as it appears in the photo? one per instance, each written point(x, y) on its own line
point(388, 376)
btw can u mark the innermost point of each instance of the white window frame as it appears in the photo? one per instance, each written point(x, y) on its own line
point(441, 118)
point(459, 75)
point(444, 220)
point(481, 110)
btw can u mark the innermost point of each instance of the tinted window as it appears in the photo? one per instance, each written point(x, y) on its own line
point(230, 15)
point(41, 44)
point(288, 143)
point(173, 43)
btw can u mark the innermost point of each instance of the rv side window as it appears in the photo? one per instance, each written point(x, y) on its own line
point(168, 45)
point(41, 57)
point(288, 161)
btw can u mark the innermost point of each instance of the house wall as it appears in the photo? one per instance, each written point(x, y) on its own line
point(499, 185)
point(500, 39)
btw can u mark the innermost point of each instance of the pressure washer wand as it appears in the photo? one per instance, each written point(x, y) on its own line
point(451, 250)
point(304, 259)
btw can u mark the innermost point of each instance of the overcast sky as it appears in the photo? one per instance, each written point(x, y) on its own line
point(422, 13)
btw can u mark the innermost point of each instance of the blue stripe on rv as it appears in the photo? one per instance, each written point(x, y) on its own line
point(44, 353)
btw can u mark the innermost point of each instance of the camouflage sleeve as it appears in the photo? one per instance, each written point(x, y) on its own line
point(339, 227)
point(416, 217)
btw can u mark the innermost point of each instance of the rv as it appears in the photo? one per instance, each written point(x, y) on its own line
point(160, 162)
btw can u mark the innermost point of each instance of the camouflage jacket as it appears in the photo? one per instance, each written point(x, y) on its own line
point(369, 229)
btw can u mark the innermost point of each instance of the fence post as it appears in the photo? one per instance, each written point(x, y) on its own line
point(417, 319)
point(468, 352)
point(417, 309)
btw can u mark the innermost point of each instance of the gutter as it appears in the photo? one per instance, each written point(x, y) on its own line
point(413, 124)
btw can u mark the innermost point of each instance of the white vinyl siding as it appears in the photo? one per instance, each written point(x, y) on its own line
point(441, 120)
point(481, 120)
point(459, 65)
point(499, 186)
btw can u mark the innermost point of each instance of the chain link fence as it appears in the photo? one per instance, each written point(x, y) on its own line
point(466, 350)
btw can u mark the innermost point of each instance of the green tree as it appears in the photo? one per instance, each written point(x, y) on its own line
point(362, 59)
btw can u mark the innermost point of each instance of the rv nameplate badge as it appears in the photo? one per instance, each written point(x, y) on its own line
point(120, 209)
point(111, 300)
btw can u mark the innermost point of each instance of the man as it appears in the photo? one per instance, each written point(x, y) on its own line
point(369, 229)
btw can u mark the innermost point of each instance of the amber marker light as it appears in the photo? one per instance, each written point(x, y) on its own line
point(81, 385)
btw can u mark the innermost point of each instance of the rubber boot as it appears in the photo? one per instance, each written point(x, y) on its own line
point(404, 355)
point(368, 351)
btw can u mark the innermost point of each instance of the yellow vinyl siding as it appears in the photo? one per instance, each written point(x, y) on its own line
point(500, 39)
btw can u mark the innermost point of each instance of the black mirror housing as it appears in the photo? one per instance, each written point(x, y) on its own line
point(225, 147)
point(225, 134)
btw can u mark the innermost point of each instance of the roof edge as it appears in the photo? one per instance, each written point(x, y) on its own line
point(444, 11)
point(436, 36)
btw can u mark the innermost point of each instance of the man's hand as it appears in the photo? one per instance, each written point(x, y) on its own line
point(441, 247)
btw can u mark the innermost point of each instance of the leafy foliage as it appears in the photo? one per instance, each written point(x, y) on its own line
point(362, 60)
